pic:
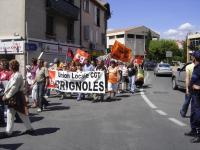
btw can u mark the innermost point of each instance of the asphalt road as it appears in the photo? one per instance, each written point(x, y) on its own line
point(148, 119)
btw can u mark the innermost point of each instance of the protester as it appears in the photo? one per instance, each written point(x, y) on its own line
point(113, 79)
point(28, 83)
point(188, 76)
point(2, 108)
point(42, 83)
point(100, 67)
point(195, 103)
point(14, 85)
point(131, 77)
point(34, 68)
point(124, 77)
point(80, 95)
point(87, 67)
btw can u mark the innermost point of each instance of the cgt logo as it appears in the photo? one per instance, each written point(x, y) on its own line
point(52, 75)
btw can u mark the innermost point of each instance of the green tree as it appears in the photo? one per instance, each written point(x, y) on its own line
point(158, 48)
point(148, 40)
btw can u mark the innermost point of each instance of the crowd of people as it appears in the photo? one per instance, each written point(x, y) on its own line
point(119, 77)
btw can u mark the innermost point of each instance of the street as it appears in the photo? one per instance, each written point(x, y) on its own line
point(149, 119)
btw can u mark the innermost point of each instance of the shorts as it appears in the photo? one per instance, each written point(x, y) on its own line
point(112, 87)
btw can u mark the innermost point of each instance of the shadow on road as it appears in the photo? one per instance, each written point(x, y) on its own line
point(52, 104)
point(147, 86)
point(54, 108)
point(44, 131)
point(11, 146)
point(35, 119)
point(123, 96)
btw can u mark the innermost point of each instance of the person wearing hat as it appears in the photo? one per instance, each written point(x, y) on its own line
point(189, 69)
point(194, 87)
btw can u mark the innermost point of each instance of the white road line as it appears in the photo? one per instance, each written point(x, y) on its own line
point(148, 101)
point(161, 112)
point(174, 120)
point(146, 77)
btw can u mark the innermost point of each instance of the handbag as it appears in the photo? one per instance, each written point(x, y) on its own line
point(13, 101)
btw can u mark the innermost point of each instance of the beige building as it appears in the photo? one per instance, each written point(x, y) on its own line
point(29, 27)
point(133, 37)
point(94, 16)
point(193, 43)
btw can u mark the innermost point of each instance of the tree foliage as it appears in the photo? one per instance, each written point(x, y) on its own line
point(157, 50)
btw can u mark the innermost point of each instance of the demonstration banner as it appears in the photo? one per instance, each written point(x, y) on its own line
point(120, 52)
point(78, 82)
point(81, 56)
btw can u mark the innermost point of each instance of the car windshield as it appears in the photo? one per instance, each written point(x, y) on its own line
point(164, 65)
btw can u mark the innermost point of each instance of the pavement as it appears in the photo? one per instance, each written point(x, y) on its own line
point(149, 119)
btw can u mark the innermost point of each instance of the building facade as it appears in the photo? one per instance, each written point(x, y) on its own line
point(193, 43)
point(34, 27)
point(94, 16)
point(51, 27)
point(133, 37)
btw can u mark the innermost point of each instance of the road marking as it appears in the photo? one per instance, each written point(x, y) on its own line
point(146, 77)
point(161, 112)
point(148, 101)
point(174, 120)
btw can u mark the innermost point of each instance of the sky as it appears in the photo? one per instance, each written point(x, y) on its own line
point(172, 19)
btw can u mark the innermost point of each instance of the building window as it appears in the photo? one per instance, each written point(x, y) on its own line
point(131, 36)
point(86, 33)
point(103, 38)
point(97, 37)
point(139, 36)
point(70, 32)
point(120, 36)
point(111, 37)
point(91, 35)
point(86, 5)
point(50, 25)
point(97, 16)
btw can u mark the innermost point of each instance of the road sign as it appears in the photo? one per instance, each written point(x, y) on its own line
point(168, 53)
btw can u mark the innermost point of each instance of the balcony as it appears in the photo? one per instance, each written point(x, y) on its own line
point(63, 8)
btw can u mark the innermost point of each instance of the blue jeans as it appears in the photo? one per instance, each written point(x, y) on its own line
point(185, 105)
point(40, 93)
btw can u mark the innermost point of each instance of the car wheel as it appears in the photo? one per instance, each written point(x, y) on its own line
point(174, 84)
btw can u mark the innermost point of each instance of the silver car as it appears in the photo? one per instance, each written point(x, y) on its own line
point(163, 69)
point(178, 78)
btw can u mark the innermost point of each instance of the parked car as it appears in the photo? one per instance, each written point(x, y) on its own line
point(163, 69)
point(178, 78)
point(149, 65)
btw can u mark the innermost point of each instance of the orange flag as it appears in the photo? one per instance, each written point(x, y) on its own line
point(120, 52)
point(81, 56)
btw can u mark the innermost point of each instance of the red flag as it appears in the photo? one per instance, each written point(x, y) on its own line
point(70, 53)
point(81, 56)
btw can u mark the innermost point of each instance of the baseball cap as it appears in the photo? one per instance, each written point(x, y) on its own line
point(196, 54)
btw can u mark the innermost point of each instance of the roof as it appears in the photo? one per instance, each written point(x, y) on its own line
point(130, 28)
point(100, 3)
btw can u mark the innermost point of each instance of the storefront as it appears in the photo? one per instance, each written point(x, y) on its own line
point(13, 49)
point(24, 51)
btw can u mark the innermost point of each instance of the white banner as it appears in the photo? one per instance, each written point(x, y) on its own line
point(12, 47)
point(80, 82)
